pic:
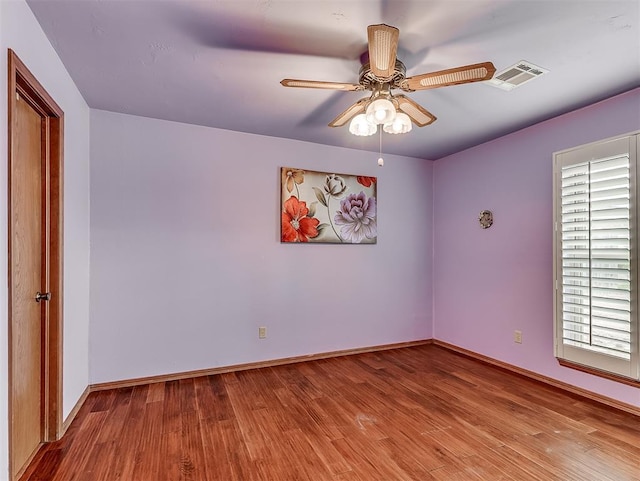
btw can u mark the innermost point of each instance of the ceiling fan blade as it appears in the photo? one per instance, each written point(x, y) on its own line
point(350, 113)
point(416, 112)
point(453, 76)
point(383, 48)
point(318, 84)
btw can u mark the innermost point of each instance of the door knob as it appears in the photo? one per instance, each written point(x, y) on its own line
point(40, 296)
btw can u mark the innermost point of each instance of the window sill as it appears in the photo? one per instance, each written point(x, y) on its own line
point(599, 373)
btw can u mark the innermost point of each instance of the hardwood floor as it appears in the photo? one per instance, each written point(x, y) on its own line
point(418, 413)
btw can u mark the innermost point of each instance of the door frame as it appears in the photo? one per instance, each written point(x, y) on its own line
point(22, 81)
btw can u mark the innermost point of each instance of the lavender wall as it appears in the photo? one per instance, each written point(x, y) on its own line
point(20, 31)
point(186, 261)
point(488, 283)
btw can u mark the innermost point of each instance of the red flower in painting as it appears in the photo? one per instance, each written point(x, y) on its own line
point(367, 181)
point(296, 226)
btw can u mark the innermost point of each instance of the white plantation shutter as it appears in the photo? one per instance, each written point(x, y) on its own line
point(596, 303)
point(596, 258)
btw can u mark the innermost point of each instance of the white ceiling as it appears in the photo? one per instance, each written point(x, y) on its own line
point(219, 63)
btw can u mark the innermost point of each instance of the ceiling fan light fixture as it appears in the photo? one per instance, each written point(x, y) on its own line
point(400, 125)
point(361, 127)
point(382, 73)
point(381, 111)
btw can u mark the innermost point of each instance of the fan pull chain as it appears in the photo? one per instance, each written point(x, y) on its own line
point(380, 159)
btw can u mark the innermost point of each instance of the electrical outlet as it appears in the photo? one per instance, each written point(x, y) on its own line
point(517, 337)
point(262, 332)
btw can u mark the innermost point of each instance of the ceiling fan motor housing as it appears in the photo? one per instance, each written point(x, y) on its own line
point(370, 81)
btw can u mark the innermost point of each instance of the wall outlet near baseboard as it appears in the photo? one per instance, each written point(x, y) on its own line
point(262, 332)
point(517, 337)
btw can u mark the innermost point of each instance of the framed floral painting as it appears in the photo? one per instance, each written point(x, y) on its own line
point(328, 208)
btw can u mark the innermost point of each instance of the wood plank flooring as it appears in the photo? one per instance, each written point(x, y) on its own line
point(418, 413)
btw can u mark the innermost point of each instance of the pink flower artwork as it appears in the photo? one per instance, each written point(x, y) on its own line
point(325, 207)
point(357, 218)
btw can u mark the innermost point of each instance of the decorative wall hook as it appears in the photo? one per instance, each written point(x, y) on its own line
point(486, 219)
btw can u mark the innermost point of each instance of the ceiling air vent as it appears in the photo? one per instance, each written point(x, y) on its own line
point(516, 75)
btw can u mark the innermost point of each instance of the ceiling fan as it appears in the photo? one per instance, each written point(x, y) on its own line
point(384, 73)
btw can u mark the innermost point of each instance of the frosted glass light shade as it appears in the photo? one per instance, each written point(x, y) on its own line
point(400, 125)
point(361, 126)
point(381, 111)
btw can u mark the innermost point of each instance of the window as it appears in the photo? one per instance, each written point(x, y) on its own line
point(596, 256)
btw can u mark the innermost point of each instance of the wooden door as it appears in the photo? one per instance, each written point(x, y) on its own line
point(35, 304)
point(27, 258)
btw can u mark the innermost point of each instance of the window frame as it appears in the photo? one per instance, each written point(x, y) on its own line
point(571, 356)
